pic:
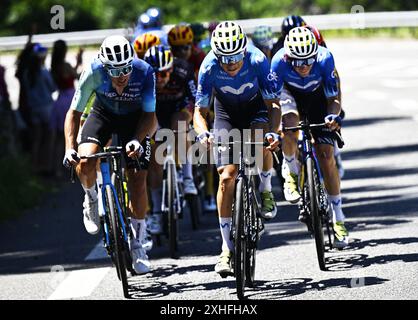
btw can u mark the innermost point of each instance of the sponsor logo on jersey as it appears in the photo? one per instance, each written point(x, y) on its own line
point(238, 91)
point(272, 76)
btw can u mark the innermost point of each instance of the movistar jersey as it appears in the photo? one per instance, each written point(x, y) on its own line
point(252, 79)
point(138, 94)
point(322, 73)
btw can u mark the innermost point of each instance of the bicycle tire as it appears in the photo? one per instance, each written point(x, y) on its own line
point(239, 238)
point(172, 215)
point(315, 214)
point(117, 238)
point(252, 231)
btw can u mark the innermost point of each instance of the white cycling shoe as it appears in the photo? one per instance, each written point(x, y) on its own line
point(91, 215)
point(140, 261)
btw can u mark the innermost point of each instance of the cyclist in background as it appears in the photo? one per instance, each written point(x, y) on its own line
point(305, 73)
point(125, 104)
point(263, 39)
point(288, 24)
point(176, 91)
point(151, 22)
point(244, 98)
point(180, 38)
point(145, 41)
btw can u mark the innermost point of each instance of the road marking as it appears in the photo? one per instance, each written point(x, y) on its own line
point(405, 104)
point(79, 283)
point(99, 252)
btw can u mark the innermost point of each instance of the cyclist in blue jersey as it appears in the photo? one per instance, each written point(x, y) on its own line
point(124, 104)
point(151, 22)
point(263, 39)
point(304, 72)
point(238, 77)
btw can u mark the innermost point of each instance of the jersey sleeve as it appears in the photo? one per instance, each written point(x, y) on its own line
point(329, 77)
point(277, 71)
point(86, 87)
point(148, 100)
point(204, 87)
point(265, 78)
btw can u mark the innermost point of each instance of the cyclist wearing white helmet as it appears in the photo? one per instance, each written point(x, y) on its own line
point(305, 74)
point(263, 39)
point(237, 75)
point(124, 89)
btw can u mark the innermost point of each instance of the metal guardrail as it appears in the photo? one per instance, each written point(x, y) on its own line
point(323, 22)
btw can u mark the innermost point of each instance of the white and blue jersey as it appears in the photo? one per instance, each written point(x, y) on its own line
point(322, 74)
point(139, 94)
point(251, 80)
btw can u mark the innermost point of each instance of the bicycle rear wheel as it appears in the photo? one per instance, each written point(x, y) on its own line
point(252, 239)
point(118, 241)
point(172, 214)
point(315, 214)
point(240, 244)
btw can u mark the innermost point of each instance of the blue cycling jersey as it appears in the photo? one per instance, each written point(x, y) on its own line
point(138, 94)
point(322, 73)
point(252, 79)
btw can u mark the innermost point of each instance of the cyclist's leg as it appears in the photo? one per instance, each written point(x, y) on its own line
point(180, 120)
point(155, 178)
point(290, 167)
point(93, 136)
point(260, 127)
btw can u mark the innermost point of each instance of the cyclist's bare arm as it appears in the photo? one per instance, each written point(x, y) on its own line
point(334, 105)
point(71, 127)
point(147, 125)
point(199, 119)
point(275, 114)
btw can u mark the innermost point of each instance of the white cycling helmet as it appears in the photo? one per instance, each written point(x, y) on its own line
point(228, 39)
point(116, 52)
point(300, 43)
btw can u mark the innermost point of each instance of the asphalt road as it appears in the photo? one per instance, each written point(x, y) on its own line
point(46, 254)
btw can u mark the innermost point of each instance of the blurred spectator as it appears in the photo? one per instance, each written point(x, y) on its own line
point(64, 76)
point(39, 86)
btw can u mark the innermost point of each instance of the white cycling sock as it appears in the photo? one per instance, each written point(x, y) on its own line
point(156, 196)
point(291, 163)
point(91, 192)
point(225, 226)
point(337, 212)
point(138, 231)
point(265, 181)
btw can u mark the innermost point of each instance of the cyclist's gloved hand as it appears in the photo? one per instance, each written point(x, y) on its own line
point(206, 138)
point(134, 148)
point(71, 158)
point(333, 121)
point(273, 139)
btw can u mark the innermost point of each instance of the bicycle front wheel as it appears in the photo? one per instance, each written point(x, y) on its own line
point(172, 214)
point(240, 245)
point(117, 240)
point(317, 226)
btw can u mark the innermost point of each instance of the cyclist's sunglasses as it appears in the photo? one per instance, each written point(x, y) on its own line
point(182, 48)
point(232, 59)
point(117, 72)
point(302, 62)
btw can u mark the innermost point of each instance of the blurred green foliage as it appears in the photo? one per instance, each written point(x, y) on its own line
point(21, 16)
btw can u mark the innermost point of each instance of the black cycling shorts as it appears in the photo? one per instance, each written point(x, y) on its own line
point(101, 124)
point(240, 117)
point(314, 106)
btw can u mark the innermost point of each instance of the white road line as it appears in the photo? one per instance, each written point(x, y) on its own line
point(79, 283)
point(98, 253)
point(405, 104)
